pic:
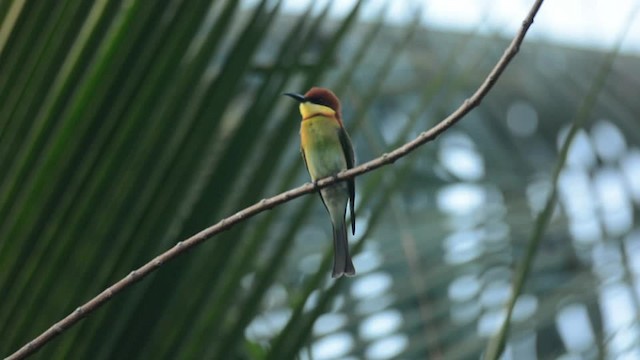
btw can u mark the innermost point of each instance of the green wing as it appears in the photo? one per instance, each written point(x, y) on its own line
point(349, 155)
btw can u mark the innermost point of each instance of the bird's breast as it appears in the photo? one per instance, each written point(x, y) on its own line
point(320, 141)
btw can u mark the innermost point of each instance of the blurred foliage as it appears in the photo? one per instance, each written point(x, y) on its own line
point(126, 126)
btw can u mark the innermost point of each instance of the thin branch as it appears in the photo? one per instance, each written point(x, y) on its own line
point(266, 204)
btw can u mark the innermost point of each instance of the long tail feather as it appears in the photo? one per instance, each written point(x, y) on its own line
point(342, 264)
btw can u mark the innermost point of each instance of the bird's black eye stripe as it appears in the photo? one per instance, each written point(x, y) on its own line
point(318, 101)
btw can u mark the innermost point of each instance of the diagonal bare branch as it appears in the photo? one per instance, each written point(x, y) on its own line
point(266, 204)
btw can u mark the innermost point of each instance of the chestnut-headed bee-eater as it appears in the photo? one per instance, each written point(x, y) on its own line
point(326, 149)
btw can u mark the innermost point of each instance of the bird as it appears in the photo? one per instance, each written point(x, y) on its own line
point(327, 150)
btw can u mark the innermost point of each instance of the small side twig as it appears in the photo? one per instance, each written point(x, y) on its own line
point(266, 204)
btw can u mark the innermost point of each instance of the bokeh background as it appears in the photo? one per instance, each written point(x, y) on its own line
point(128, 125)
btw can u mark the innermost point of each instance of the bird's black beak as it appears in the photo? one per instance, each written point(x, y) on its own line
point(297, 97)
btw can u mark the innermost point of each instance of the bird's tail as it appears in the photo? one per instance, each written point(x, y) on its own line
point(342, 264)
